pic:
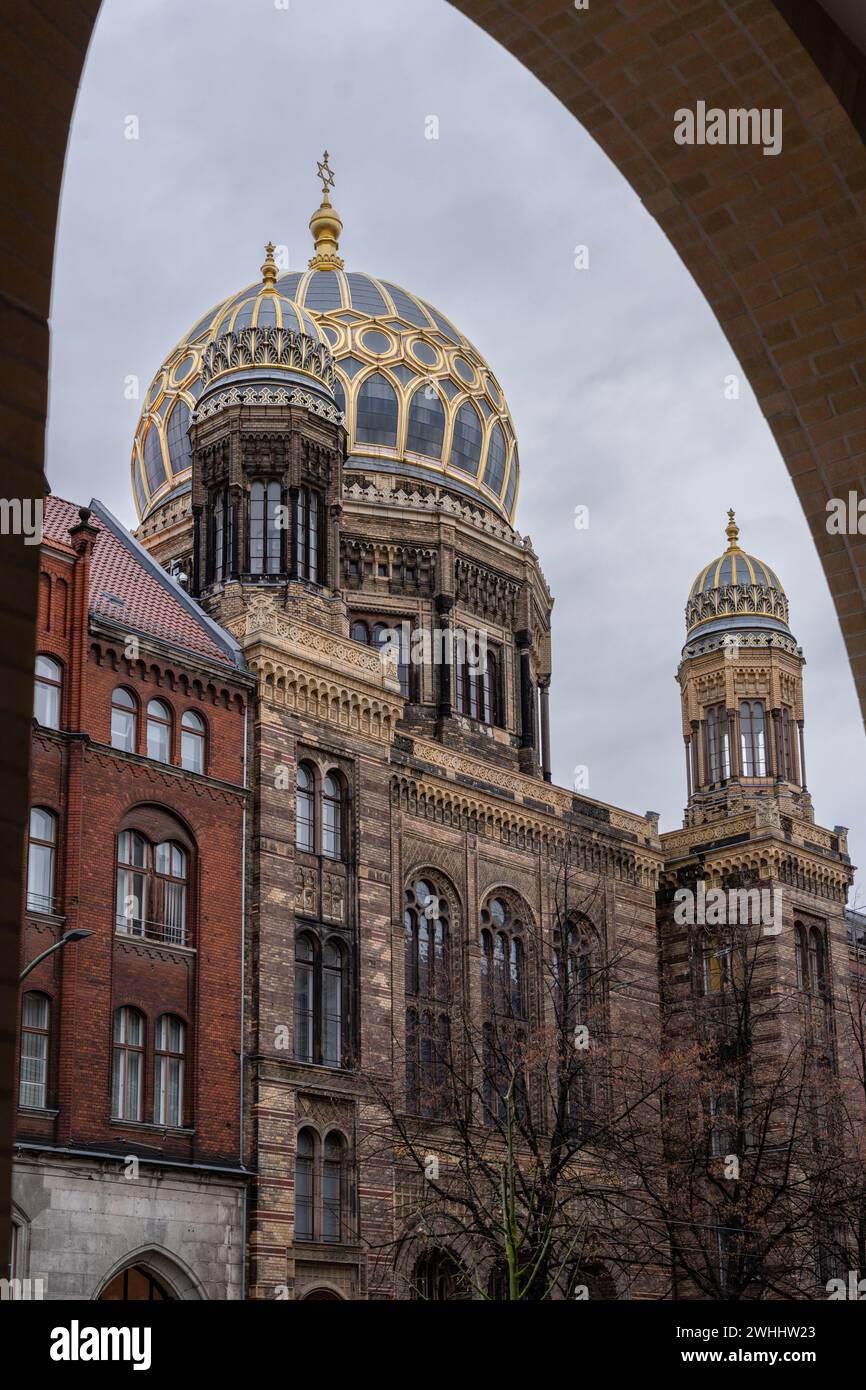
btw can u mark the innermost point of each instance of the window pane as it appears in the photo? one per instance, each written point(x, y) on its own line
point(376, 415)
point(123, 730)
point(303, 1011)
point(332, 1001)
point(40, 878)
point(46, 706)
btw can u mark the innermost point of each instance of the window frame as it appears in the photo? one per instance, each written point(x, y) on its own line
point(156, 721)
point(123, 1050)
point(30, 1030)
point(131, 713)
point(199, 735)
point(39, 902)
point(47, 683)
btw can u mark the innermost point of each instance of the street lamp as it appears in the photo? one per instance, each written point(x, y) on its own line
point(75, 934)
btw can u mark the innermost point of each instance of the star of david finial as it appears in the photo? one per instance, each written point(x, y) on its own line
point(326, 174)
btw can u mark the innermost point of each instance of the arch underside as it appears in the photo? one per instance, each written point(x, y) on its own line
point(778, 254)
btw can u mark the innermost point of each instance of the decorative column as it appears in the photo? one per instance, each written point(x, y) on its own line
point(735, 749)
point(523, 638)
point(803, 786)
point(196, 549)
point(444, 605)
point(333, 558)
point(544, 700)
point(688, 744)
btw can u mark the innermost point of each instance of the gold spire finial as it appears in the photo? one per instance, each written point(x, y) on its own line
point(325, 224)
point(732, 531)
point(269, 268)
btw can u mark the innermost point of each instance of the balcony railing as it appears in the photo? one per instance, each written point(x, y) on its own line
point(164, 933)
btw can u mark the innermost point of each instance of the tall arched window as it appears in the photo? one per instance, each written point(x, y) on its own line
point(426, 428)
point(753, 738)
point(192, 742)
point(718, 744)
point(127, 1088)
point(151, 889)
point(159, 731)
point(168, 1073)
point(305, 809)
point(40, 860)
point(305, 1184)
point(505, 1006)
point(124, 721)
point(47, 690)
point(220, 551)
point(323, 1189)
point(477, 679)
point(308, 534)
point(321, 999)
point(494, 473)
point(428, 995)
point(376, 415)
point(333, 1196)
point(466, 440)
point(332, 817)
point(576, 999)
point(33, 1071)
point(265, 539)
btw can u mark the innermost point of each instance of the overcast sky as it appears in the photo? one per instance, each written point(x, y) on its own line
point(615, 374)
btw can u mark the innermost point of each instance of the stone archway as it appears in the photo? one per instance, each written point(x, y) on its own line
point(777, 245)
point(149, 1274)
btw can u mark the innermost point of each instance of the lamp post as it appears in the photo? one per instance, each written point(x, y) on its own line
point(75, 934)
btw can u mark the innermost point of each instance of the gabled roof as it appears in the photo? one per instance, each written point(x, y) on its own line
point(129, 588)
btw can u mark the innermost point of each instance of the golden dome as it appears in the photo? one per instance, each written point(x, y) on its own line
point(419, 400)
point(735, 591)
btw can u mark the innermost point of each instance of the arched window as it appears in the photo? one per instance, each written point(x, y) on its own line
point(127, 1077)
point(322, 1187)
point(305, 809)
point(494, 473)
point(438, 1277)
point(718, 744)
point(466, 440)
point(308, 534)
point(477, 680)
point(428, 996)
point(321, 999)
point(220, 551)
point(426, 428)
point(33, 1071)
point(265, 539)
point(40, 860)
point(169, 898)
point(333, 1184)
point(46, 695)
point(159, 731)
point(361, 633)
point(151, 889)
point(753, 739)
point(376, 415)
point(502, 960)
point(504, 1003)
point(124, 721)
point(332, 817)
point(817, 963)
point(305, 1184)
point(168, 1073)
point(192, 742)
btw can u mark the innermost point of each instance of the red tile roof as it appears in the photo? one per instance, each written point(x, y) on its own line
point(128, 588)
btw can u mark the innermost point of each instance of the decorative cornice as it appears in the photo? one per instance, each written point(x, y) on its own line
point(256, 347)
point(267, 395)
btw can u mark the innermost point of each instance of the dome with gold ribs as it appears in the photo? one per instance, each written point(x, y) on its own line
point(420, 402)
point(736, 592)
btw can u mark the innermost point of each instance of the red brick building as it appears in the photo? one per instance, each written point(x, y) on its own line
point(129, 1157)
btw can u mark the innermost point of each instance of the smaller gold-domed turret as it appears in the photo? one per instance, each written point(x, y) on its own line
point(326, 225)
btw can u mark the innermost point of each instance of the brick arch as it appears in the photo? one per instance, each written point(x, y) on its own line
point(777, 246)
